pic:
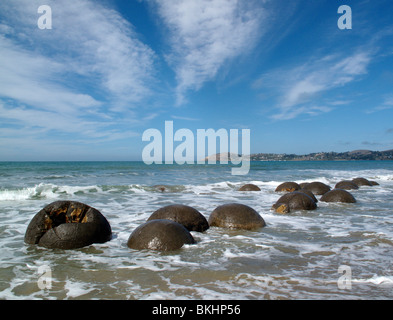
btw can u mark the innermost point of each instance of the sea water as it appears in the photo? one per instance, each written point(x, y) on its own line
point(300, 255)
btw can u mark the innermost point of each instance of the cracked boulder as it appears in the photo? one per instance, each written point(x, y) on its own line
point(160, 235)
point(68, 225)
point(293, 201)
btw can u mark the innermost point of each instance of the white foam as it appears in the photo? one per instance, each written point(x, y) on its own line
point(77, 289)
point(377, 280)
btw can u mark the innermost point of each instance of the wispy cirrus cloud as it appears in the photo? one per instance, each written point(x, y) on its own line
point(88, 41)
point(299, 87)
point(204, 35)
point(83, 77)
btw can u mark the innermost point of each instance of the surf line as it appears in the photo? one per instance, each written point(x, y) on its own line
point(185, 151)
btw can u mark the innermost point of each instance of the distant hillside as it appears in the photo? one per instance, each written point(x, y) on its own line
point(349, 155)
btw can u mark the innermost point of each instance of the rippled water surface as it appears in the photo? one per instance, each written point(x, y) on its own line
point(296, 256)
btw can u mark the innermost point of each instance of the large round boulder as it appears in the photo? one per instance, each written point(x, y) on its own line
point(288, 187)
point(189, 217)
point(317, 188)
point(310, 194)
point(362, 182)
point(236, 216)
point(293, 201)
point(68, 225)
point(249, 187)
point(346, 185)
point(338, 195)
point(160, 235)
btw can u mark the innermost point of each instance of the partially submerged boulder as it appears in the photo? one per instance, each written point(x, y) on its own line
point(338, 195)
point(68, 225)
point(236, 216)
point(288, 187)
point(160, 235)
point(189, 217)
point(293, 201)
point(317, 188)
point(249, 187)
point(362, 182)
point(346, 185)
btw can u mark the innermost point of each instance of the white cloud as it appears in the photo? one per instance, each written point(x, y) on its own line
point(78, 79)
point(88, 40)
point(204, 35)
point(300, 87)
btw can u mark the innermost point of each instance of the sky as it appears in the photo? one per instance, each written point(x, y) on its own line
point(106, 71)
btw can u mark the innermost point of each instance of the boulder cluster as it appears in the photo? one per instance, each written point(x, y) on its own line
point(302, 196)
point(71, 224)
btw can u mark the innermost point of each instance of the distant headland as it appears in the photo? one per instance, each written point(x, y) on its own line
point(318, 156)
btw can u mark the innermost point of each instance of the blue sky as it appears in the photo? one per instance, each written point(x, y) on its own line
point(107, 71)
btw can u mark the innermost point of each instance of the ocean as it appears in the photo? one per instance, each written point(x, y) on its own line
point(339, 251)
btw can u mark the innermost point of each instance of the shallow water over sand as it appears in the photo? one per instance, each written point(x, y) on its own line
point(296, 256)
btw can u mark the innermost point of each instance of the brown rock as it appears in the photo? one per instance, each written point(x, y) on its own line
point(236, 216)
point(160, 235)
point(189, 217)
point(317, 188)
point(249, 187)
point(338, 195)
point(288, 187)
point(361, 182)
point(346, 185)
point(296, 200)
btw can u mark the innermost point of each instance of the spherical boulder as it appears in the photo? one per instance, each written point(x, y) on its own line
point(310, 194)
point(236, 216)
point(338, 195)
point(288, 187)
point(189, 217)
point(303, 184)
point(68, 225)
point(160, 235)
point(362, 182)
point(249, 187)
point(317, 188)
point(346, 185)
point(293, 201)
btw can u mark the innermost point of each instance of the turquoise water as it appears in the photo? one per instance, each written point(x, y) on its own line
point(296, 256)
